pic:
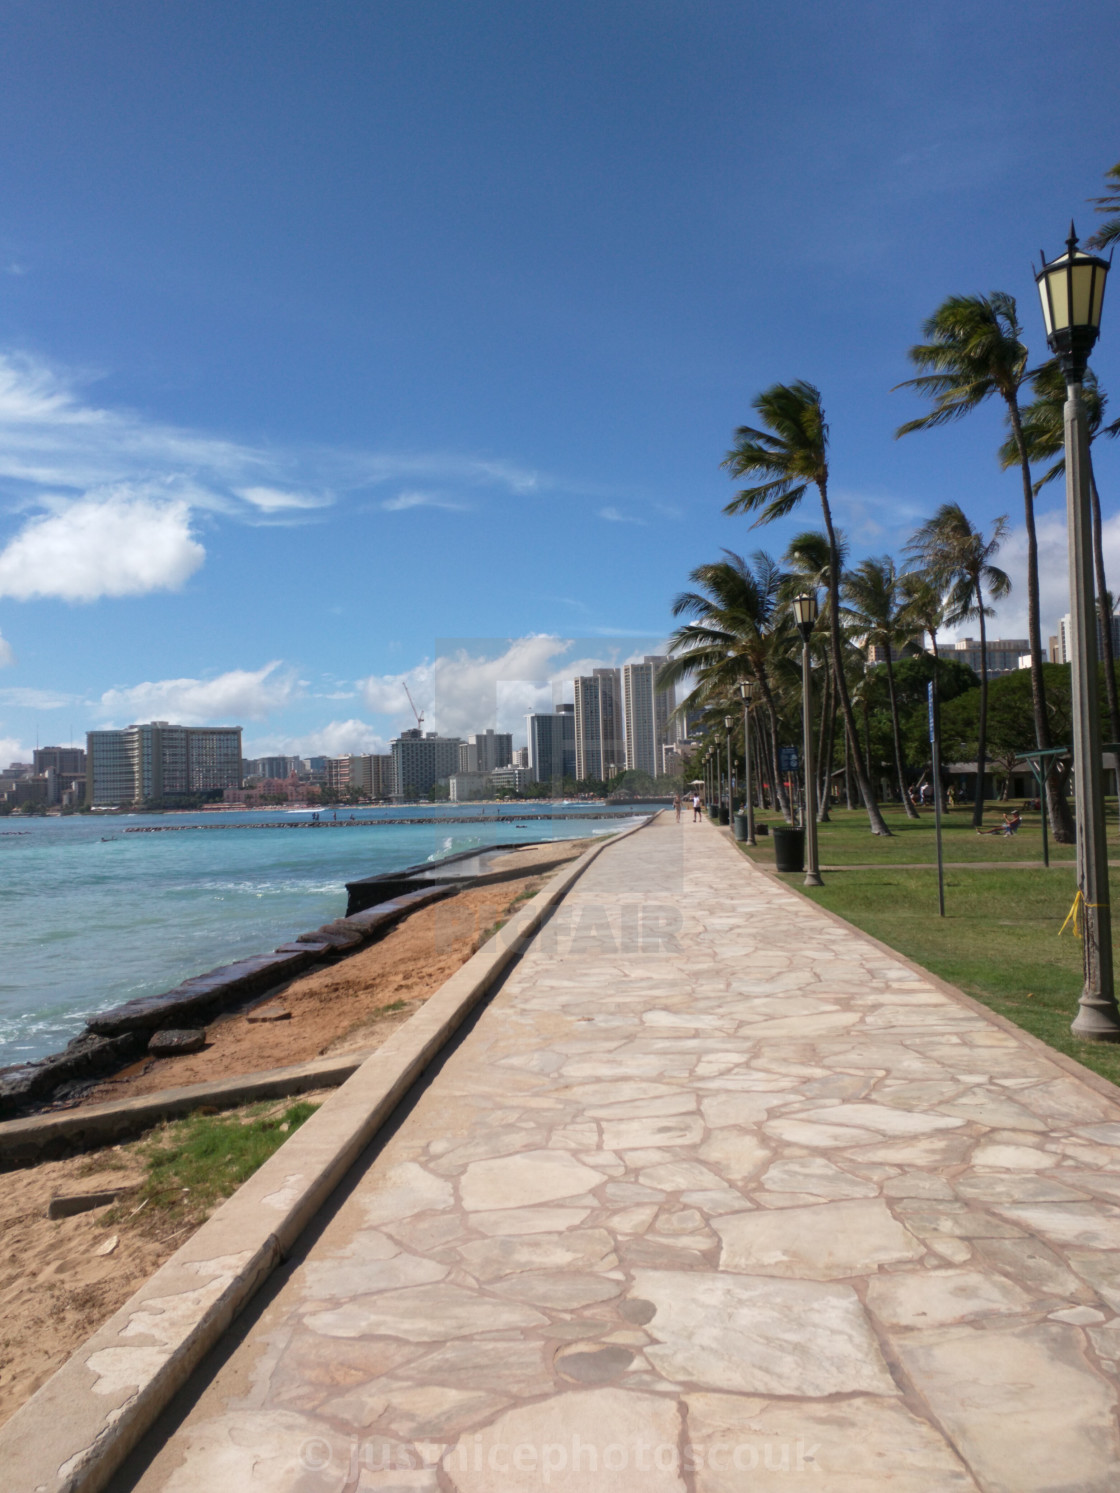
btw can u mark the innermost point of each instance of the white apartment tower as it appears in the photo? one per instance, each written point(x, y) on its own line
point(646, 712)
point(600, 751)
point(160, 760)
point(485, 751)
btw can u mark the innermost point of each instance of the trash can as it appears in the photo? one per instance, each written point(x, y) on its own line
point(789, 848)
point(741, 826)
point(724, 814)
point(713, 813)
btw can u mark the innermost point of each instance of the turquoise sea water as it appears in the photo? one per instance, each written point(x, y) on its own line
point(91, 915)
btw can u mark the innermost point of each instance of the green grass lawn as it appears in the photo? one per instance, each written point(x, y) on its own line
point(192, 1165)
point(999, 940)
point(847, 841)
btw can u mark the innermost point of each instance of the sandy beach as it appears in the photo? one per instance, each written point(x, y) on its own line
point(60, 1278)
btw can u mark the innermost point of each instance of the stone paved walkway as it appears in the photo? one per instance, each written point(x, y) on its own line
point(716, 1196)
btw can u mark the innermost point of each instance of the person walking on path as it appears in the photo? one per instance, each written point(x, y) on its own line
point(677, 806)
point(696, 806)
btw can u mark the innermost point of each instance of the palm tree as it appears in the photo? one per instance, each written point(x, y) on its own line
point(735, 636)
point(1108, 232)
point(789, 453)
point(1044, 434)
point(957, 559)
point(807, 561)
point(875, 609)
point(974, 351)
point(925, 611)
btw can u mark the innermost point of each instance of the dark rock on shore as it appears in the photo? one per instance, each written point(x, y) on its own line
point(86, 1057)
point(204, 995)
point(176, 1042)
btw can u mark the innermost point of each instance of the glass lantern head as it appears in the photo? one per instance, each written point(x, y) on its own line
point(1071, 289)
point(805, 612)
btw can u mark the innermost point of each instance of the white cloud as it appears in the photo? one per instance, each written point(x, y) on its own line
point(481, 683)
point(1053, 577)
point(240, 694)
point(7, 657)
point(56, 445)
point(122, 543)
point(273, 500)
point(613, 516)
point(336, 739)
point(13, 750)
point(37, 699)
point(49, 437)
point(420, 500)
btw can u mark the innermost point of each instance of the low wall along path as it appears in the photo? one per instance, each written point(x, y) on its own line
point(717, 1194)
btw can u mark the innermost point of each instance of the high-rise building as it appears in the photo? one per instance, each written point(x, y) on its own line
point(421, 761)
point(68, 762)
point(486, 750)
point(1003, 654)
point(552, 746)
point(646, 711)
point(271, 767)
point(366, 773)
point(600, 748)
point(160, 760)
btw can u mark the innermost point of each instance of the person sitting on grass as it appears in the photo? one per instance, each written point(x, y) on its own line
point(1011, 822)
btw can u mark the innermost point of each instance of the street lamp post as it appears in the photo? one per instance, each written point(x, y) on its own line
point(727, 724)
point(805, 612)
point(1072, 291)
point(746, 694)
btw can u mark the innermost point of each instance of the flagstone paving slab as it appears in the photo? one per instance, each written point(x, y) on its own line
point(715, 1195)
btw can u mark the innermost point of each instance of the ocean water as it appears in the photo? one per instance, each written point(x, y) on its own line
point(91, 915)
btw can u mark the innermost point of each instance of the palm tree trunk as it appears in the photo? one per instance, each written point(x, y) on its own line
point(777, 794)
point(824, 759)
point(866, 726)
point(776, 780)
point(1107, 651)
point(830, 744)
point(899, 767)
point(936, 780)
point(762, 776)
point(848, 775)
point(982, 728)
point(1061, 821)
point(874, 814)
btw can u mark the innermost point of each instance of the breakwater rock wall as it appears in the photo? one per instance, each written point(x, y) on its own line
point(119, 1036)
point(167, 829)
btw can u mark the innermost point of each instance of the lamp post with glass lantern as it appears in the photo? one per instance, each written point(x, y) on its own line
point(747, 690)
point(805, 613)
point(1072, 292)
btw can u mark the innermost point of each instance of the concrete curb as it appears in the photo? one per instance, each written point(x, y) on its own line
point(77, 1429)
point(1094, 1081)
point(45, 1137)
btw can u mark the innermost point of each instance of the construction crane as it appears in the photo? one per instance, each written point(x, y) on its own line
point(416, 713)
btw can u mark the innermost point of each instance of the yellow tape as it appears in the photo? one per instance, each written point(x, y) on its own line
point(1075, 911)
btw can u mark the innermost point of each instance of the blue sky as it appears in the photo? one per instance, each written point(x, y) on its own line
point(348, 344)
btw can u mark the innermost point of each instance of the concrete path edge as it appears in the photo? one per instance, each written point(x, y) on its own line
point(45, 1137)
point(76, 1430)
